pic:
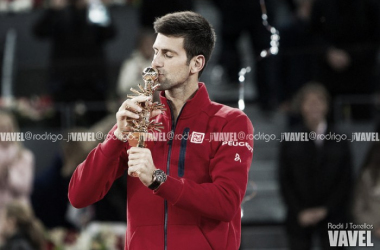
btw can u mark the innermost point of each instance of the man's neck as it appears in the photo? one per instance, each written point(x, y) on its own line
point(179, 96)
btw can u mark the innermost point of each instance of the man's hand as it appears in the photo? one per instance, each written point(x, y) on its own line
point(311, 216)
point(140, 161)
point(338, 59)
point(129, 110)
point(306, 218)
point(320, 213)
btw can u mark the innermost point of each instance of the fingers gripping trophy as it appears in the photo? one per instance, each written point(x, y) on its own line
point(143, 127)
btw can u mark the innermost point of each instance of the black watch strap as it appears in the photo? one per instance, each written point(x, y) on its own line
point(155, 184)
point(159, 177)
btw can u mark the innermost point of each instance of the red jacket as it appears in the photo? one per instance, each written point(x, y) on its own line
point(198, 207)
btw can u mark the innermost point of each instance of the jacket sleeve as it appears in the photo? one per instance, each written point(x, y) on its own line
point(93, 178)
point(228, 169)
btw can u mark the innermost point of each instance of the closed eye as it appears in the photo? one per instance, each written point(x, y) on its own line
point(165, 52)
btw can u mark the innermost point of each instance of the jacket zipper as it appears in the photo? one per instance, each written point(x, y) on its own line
point(182, 152)
point(170, 142)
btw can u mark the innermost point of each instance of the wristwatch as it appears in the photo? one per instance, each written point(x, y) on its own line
point(158, 177)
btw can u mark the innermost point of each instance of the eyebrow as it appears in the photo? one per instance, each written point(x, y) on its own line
point(166, 50)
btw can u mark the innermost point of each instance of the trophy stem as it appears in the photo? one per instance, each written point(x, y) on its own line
point(138, 139)
point(141, 142)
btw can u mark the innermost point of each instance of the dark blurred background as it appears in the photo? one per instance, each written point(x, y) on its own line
point(333, 43)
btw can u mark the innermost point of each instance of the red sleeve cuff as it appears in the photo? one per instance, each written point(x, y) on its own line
point(171, 190)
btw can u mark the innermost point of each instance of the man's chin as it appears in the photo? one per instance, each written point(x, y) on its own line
point(162, 87)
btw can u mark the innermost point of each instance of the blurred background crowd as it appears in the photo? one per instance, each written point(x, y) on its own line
point(66, 65)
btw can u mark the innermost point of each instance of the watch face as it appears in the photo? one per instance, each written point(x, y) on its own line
point(160, 175)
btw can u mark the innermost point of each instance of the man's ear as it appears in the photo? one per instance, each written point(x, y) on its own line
point(197, 64)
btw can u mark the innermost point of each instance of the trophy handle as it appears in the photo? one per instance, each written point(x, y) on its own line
point(141, 142)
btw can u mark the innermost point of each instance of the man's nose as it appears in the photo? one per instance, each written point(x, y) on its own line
point(157, 61)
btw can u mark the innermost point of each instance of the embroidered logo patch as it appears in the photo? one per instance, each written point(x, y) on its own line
point(197, 137)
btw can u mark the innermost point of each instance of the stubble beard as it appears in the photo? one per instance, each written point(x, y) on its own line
point(164, 86)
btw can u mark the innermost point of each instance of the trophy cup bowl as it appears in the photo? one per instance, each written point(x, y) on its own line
point(150, 75)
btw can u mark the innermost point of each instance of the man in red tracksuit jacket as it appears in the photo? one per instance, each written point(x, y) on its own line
point(190, 187)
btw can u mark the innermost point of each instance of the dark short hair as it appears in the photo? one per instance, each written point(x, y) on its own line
point(199, 36)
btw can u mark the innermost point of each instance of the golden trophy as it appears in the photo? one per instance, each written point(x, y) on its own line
point(143, 127)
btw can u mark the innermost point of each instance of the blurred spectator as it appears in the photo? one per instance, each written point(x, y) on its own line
point(348, 32)
point(367, 193)
point(52, 185)
point(78, 68)
point(315, 175)
point(239, 17)
point(132, 68)
point(15, 6)
point(296, 58)
point(16, 164)
point(19, 229)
